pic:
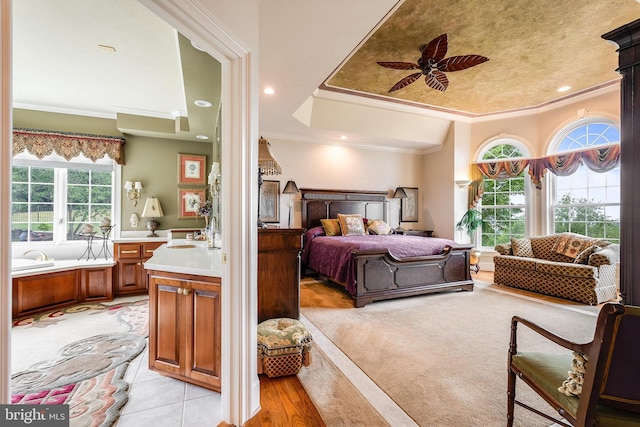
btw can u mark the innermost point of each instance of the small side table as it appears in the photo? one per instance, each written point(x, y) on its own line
point(89, 238)
point(423, 233)
point(106, 230)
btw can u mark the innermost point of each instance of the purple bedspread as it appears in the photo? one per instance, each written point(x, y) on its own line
point(331, 256)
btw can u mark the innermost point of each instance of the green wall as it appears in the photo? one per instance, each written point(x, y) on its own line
point(152, 161)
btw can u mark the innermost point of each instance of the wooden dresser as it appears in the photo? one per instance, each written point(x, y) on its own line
point(279, 272)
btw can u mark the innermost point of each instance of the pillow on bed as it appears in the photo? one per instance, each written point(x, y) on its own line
point(380, 227)
point(351, 225)
point(331, 227)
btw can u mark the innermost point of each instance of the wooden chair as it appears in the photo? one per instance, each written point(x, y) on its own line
point(611, 389)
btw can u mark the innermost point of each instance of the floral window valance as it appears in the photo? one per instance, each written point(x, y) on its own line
point(601, 159)
point(68, 145)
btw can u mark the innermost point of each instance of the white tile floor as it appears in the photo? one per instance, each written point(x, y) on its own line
point(155, 400)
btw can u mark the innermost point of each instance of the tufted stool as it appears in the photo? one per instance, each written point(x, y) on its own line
point(284, 346)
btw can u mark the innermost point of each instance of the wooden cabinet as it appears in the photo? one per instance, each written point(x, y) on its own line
point(96, 284)
point(279, 272)
point(184, 327)
point(48, 291)
point(422, 233)
point(130, 258)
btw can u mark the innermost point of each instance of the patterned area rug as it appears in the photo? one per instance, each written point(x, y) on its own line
point(74, 365)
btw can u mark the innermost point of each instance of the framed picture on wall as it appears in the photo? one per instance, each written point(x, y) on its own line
point(270, 201)
point(189, 201)
point(409, 205)
point(191, 169)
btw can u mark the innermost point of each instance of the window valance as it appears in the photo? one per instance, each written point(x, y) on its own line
point(601, 159)
point(68, 145)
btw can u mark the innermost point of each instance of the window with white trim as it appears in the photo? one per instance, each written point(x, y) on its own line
point(53, 198)
point(503, 205)
point(587, 202)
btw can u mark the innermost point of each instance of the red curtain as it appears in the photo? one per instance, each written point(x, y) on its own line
point(68, 145)
point(600, 160)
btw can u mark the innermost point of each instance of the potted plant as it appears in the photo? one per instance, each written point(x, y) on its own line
point(470, 222)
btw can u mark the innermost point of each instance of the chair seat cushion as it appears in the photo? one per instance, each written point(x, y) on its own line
point(548, 370)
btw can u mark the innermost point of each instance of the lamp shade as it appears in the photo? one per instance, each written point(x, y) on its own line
point(266, 162)
point(290, 188)
point(400, 193)
point(152, 208)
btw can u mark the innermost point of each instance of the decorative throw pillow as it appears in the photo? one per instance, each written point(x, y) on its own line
point(380, 227)
point(522, 247)
point(583, 257)
point(570, 245)
point(504, 249)
point(572, 386)
point(351, 225)
point(331, 227)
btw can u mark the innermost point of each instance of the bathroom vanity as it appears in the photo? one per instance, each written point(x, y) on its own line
point(184, 312)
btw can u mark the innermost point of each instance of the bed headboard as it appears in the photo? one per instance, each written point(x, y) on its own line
point(322, 204)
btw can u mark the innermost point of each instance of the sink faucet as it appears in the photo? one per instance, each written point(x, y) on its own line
point(42, 257)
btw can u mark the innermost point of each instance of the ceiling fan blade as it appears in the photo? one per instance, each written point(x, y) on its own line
point(406, 81)
point(400, 65)
point(437, 80)
point(457, 63)
point(436, 49)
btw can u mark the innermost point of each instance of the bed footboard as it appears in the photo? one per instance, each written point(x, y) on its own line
point(380, 276)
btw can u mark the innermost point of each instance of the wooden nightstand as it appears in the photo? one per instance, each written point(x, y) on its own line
point(423, 233)
point(279, 272)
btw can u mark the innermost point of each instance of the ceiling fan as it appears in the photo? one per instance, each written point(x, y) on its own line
point(433, 65)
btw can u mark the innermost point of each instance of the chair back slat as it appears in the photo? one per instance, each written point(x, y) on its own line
point(620, 387)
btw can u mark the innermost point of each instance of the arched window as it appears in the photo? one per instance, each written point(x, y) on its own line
point(587, 202)
point(503, 205)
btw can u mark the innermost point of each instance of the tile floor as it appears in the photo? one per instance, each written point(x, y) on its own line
point(155, 400)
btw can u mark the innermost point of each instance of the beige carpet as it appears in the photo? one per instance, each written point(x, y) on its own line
point(442, 358)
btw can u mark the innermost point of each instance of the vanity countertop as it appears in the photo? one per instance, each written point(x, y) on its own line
point(187, 257)
point(61, 265)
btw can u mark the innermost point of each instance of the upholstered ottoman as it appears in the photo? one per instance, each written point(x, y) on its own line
point(284, 346)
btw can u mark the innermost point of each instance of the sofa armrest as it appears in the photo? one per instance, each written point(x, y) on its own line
point(608, 255)
point(504, 249)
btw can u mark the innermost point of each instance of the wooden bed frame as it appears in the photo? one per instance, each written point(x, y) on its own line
point(379, 275)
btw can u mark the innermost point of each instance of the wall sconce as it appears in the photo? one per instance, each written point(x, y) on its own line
point(463, 183)
point(291, 188)
point(399, 194)
point(134, 220)
point(153, 210)
point(133, 191)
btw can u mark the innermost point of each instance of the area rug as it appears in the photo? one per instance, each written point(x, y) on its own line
point(78, 356)
point(442, 358)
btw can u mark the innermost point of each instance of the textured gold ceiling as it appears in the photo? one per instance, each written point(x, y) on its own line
point(533, 46)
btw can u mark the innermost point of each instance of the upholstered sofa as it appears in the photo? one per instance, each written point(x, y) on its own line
point(564, 265)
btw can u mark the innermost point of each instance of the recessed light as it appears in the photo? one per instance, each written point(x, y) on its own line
point(563, 88)
point(202, 137)
point(269, 91)
point(343, 137)
point(202, 103)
